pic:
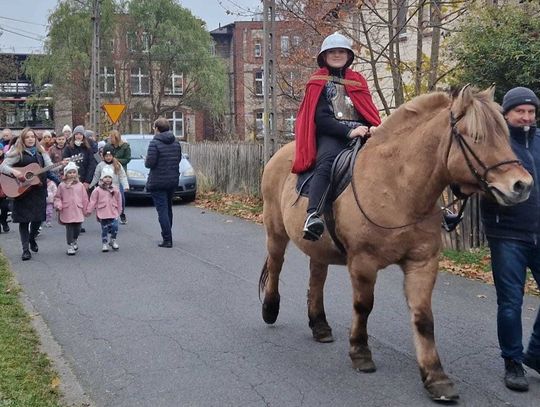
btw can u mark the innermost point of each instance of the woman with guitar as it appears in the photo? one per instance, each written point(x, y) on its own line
point(29, 208)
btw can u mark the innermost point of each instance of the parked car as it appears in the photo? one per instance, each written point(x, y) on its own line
point(137, 173)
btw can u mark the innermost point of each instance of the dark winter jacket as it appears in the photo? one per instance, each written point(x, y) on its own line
point(521, 221)
point(122, 153)
point(88, 164)
point(163, 159)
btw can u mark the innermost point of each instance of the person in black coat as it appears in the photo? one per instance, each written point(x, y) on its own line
point(79, 144)
point(163, 159)
point(30, 208)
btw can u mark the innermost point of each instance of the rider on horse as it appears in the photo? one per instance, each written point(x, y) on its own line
point(337, 107)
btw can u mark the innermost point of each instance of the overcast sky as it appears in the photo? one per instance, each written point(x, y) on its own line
point(33, 14)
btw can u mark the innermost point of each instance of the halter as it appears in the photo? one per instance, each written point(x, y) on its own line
point(469, 155)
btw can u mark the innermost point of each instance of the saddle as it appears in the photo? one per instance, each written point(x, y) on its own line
point(340, 178)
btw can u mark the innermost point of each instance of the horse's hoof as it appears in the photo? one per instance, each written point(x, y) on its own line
point(442, 390)
point(322, 333)
point(362, 361)
point(270, 311)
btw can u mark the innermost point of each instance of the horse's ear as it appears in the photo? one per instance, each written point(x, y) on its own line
point(463, 100)
point(490, 92)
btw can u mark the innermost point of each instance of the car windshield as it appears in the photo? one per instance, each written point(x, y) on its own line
point(139, 147)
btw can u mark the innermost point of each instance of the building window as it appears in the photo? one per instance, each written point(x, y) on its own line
point(140, 123)
point(290, 120)
point(296, 41)
point(107, 80)
point(259, 85)
point(259, 123)
point(131, 39)
point(145, 42)
point(175, 85)
point(139, 82)
point(284, 46)
point(258, 50)
point(176, 122)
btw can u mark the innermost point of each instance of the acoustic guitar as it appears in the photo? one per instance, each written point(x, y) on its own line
point(13, 187)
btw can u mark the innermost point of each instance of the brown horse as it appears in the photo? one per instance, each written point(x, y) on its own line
point(389, 214)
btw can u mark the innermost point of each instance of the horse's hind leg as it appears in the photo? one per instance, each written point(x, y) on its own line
point(363, 275)
point(419, 282)
point(269, 279)
point(315, 301)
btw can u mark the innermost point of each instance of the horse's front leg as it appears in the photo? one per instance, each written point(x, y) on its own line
point(315, 301)
point(363, 273)
point(420, 279)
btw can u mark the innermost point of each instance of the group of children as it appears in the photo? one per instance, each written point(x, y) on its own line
point(73, 205)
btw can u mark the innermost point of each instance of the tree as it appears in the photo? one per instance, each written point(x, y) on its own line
point(499, 45)
point(169, 41)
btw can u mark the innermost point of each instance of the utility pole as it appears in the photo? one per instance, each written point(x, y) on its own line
point(94, 71)
point(269, 115)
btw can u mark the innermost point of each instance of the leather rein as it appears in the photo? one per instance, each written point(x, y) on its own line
point(468, 154)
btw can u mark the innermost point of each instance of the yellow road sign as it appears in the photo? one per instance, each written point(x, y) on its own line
point(114, 110)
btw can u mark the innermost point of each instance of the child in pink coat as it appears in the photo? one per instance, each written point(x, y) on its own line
point(70, 201)
point(107, 201)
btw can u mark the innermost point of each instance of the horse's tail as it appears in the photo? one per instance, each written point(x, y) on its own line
point(263, 278)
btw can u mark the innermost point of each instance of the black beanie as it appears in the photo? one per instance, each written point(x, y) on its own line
point(108, 149)
point(519, 96)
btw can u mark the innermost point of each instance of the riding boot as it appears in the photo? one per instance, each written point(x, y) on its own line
point(314, 225)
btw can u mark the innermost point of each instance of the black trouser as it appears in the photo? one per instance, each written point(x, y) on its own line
point(72, 232)
point(328, 148)
point(4, 209)
point(28, 231)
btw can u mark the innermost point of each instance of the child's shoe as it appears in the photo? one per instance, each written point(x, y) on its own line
point(114, 245)
point(105, 247)
point(70, 250)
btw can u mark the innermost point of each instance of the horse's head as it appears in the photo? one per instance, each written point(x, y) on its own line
point(480, 157)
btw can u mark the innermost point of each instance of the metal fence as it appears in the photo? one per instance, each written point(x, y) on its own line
point(237, 168)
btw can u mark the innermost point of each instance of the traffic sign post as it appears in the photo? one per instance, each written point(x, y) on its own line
point(114, 111)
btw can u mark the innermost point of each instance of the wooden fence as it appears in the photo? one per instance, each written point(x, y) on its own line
point(237, 168)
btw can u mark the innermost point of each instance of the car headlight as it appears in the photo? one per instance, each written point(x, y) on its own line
point(135, 174)
point(188, 173)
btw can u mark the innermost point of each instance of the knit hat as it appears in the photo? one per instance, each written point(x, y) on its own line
point(70, 166)
point(78, 129)
point(108, 149)
point(519, 96)
point(66, 128)
point(106, 172)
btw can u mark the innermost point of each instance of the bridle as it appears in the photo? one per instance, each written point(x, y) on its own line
point(469, 155)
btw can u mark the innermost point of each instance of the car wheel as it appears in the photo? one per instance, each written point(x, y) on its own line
point(189, 198)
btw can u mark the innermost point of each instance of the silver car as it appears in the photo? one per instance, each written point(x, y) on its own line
point(137, 173)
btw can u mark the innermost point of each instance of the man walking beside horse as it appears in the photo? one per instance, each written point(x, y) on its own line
point(513, 234)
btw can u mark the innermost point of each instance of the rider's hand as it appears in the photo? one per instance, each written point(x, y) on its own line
point(359, 131)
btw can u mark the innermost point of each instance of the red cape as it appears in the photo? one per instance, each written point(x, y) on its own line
point(306, 144)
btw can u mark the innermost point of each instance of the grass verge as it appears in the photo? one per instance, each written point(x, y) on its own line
point(26, 377)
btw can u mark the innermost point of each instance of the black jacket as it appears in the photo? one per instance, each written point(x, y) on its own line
point(87, 166)
point(521, 221)
point(163, 159)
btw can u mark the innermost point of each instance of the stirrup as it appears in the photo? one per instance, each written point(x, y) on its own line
point(313, 227)
point(451, 220)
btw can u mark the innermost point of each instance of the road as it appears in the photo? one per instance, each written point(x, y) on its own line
point(147, 326)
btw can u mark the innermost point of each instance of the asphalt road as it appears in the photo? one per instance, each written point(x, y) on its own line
point(147, 326)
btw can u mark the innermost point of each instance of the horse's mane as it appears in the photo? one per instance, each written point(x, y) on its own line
point(482, 117)
point(411, 114)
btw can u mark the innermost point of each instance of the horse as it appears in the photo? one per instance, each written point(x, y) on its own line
point(389, 214)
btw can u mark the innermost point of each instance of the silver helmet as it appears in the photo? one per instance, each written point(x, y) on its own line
point(335, 40)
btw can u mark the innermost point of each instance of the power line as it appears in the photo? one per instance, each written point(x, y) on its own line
point(22, 21)
point(21, 30)
point(40, 39)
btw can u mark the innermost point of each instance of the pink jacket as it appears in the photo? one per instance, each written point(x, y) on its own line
point(71, 201)
point(108, 203)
